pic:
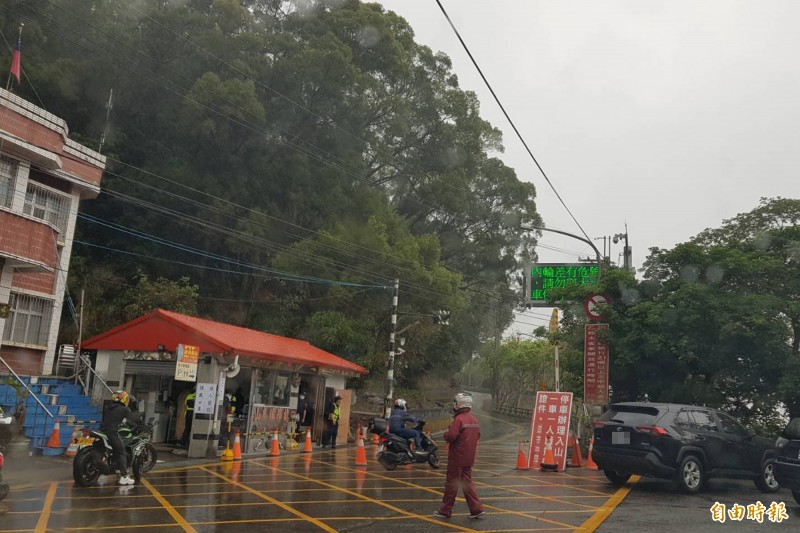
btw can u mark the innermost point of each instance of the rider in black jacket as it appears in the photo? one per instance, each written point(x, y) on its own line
point(114, 416)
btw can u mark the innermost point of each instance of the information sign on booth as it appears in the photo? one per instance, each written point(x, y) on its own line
point(206, 398)
point(550, 424)
point(595, 367)
point(186, 367)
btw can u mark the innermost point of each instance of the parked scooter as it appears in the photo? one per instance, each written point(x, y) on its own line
point(97, 458)
point(394, 450)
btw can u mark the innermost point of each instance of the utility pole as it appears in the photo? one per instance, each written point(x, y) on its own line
point(392, 348)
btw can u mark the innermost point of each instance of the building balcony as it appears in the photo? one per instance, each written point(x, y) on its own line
point(29, 245)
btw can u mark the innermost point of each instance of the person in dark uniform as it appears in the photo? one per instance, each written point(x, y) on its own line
point(187, 426)
point(114, 415)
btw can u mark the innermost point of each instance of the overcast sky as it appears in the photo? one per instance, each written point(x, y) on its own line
point(670, 116)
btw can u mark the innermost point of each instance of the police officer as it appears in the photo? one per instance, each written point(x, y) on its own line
point(187, 426)
point(332, 414)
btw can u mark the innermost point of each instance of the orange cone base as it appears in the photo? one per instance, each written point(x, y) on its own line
point(237, 447)
point(522, 460)
point(276, 447)
point(308, 447)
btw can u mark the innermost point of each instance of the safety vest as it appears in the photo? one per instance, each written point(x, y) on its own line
point(335, 414)
point(190, 401)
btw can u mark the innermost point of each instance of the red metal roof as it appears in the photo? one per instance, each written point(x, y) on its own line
point(170, 329)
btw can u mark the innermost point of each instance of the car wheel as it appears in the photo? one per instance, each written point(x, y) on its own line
point(690, 475)
point(617, 478)
point(766, 482)
point(796, 494)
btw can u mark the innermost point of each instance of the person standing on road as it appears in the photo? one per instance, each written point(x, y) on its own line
point(189, 417)
point(332, 414)
point(462, 435)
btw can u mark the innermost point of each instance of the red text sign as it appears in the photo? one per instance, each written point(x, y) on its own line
point(550, 426)
point(595, 367)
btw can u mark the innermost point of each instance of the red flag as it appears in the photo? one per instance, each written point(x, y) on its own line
point(15, 62)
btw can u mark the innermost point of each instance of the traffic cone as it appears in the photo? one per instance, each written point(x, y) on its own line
point(375, 439)
point(549, 461)
point(361, 452)
point(577, 457)
point(72, 450)
point(55, 437)
point(589, 462)
point(276, 446)
point(308, 448)
point(522, 460)
point(237, 447)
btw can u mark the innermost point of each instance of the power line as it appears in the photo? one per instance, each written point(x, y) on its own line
point(508, 118)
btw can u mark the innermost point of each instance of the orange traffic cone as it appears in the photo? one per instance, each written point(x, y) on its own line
point(72, 450)
point(589, 462)
point(549, 461)
point(276, 446)
point(237, 447)
point(577, 457)
point(55, 437)
point(375, 439)
point(361, 452)
point(522, 460)
point(308, 448)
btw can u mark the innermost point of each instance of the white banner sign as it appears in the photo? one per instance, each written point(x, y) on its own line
point(206, 398)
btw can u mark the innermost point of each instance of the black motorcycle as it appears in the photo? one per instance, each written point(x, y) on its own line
point(149, 454)
point(394, 450)
point(97, 457)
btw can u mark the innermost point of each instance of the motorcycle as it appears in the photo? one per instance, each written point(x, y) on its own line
point(96, 458)
point(394, 450)
point(149, 454)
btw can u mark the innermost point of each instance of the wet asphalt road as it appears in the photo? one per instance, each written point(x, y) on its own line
point(325, 491)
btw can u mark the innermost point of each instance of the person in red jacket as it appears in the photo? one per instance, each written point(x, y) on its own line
point(463, 435)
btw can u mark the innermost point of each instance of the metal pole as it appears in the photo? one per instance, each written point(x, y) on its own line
point(558, 371)
point(392, 347)
point(587, 241)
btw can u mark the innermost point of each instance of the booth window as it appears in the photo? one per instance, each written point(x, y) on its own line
point(272, 388)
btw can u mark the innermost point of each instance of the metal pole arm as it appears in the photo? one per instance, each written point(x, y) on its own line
point(587, 241)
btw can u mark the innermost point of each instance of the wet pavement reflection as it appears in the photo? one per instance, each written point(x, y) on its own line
point(323, 490)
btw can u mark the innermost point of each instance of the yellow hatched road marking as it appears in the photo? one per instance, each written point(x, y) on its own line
point(280, 504)
point(170, 509)
point(41, 525)
point(362, 497)
point(605, 511)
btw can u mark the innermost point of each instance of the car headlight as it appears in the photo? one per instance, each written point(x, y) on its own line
point(781, 442)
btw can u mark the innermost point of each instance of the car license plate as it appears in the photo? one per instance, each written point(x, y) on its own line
point(621, 437)
point(380, 448)
point(85, 441)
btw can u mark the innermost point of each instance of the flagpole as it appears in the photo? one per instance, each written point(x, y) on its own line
point(19, 40)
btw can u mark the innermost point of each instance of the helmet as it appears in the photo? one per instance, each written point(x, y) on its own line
point(462, 400)
point(121, 396)
point(400, 403)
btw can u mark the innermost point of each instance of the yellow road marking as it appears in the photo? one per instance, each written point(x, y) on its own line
point(280, 504)
point(170, 509)
point(41, 525)
point(377, 502)
point(606, 510)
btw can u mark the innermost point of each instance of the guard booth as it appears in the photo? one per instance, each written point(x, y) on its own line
point(163, 357)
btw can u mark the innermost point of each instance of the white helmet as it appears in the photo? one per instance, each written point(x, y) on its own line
point(462, 400)
point(400, 403)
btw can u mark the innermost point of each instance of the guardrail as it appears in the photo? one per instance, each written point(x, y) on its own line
point(517, 412)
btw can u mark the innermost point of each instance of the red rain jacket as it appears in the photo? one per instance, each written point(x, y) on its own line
point(463, 435)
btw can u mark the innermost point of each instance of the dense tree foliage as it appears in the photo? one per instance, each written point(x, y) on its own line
point(259, 149)
point(712, 322)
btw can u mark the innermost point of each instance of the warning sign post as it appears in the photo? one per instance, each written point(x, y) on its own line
point(550, 423)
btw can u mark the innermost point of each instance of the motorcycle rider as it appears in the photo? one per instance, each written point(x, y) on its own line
point(397, 423)
point(114, 415)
